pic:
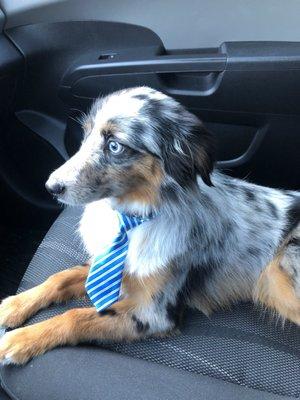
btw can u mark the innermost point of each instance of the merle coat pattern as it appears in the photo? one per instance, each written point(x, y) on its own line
point(213, 240)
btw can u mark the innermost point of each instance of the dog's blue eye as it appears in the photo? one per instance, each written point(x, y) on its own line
point(115, 147)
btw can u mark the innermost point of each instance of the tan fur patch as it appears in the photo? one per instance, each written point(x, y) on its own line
point(104, 128)
point(142, 290)
point(107, 128)
point(203, 304)
point(149, 174)
point(57, 288)
point(275, 290)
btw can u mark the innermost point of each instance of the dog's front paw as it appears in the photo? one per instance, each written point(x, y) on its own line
point(17, 347)
point(13, 311)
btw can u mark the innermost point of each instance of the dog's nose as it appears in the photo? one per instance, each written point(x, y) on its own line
point(55, 188)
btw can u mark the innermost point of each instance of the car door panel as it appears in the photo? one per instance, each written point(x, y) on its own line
point(246, 92)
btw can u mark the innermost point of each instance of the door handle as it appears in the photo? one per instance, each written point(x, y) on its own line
point(163, 64)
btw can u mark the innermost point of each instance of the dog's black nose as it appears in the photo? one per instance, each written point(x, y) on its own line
point(55, 188)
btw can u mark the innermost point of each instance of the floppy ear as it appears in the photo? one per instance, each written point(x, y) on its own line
point(189, 155)
point(204, 152)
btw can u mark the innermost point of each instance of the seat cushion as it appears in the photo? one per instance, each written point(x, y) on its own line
point(236, 353)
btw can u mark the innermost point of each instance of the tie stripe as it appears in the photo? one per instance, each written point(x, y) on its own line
point(104, 278)
point(107, 300)
point(113, 288)
point(103, 283)
point(106, 265)
point(106, 287)
point(102, 305)
point(110, 250)
point(109, 277)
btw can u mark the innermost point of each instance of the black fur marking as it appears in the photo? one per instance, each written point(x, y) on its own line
point(197, 235)
point(258, 208)
point(195, 158)
point(294, 241)
point(140, 326)
point(254, 251)
point(169, 193)
point(230, 185)
point(227, 227)
point(153, 109)
point(86, 264)
point(253, 232)
point(137, 127)
point(110, 311)
point(175, 311)
point(250, 196)
point(273, 209)
point(204, 148)
point(98, 180)
point(141, 96)
point(208, 203)
point(154, 106)
point(295, 273)
point(293, 215)
point(196, 279)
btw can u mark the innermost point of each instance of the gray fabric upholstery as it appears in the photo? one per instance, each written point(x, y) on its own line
point(86, 373)
point(241, 349)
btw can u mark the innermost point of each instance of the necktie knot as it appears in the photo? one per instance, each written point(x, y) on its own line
point(128, 222)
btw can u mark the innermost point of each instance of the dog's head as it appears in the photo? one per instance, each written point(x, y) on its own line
point(137, 141)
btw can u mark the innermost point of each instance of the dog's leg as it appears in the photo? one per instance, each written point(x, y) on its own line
point(74, 326)
point(59, 287)
point(278, 287)
point(134, 317)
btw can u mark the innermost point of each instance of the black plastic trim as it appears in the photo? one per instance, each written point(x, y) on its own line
point(158, 65)
point(50, 129)
point(262, 56)
point(249, 153)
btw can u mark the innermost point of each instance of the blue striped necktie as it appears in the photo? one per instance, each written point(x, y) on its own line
point(103, 283)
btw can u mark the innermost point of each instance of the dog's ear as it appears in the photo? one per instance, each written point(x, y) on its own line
point(204, 152)
point(190, 155)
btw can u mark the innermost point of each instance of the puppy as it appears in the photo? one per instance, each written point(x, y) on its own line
point(212, 240)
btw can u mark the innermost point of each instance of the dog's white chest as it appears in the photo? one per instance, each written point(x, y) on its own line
point(99, 226)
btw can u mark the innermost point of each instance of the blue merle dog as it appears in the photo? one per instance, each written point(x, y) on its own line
point(213, 240)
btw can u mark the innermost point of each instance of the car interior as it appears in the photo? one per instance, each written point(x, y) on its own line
point(234, 64)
